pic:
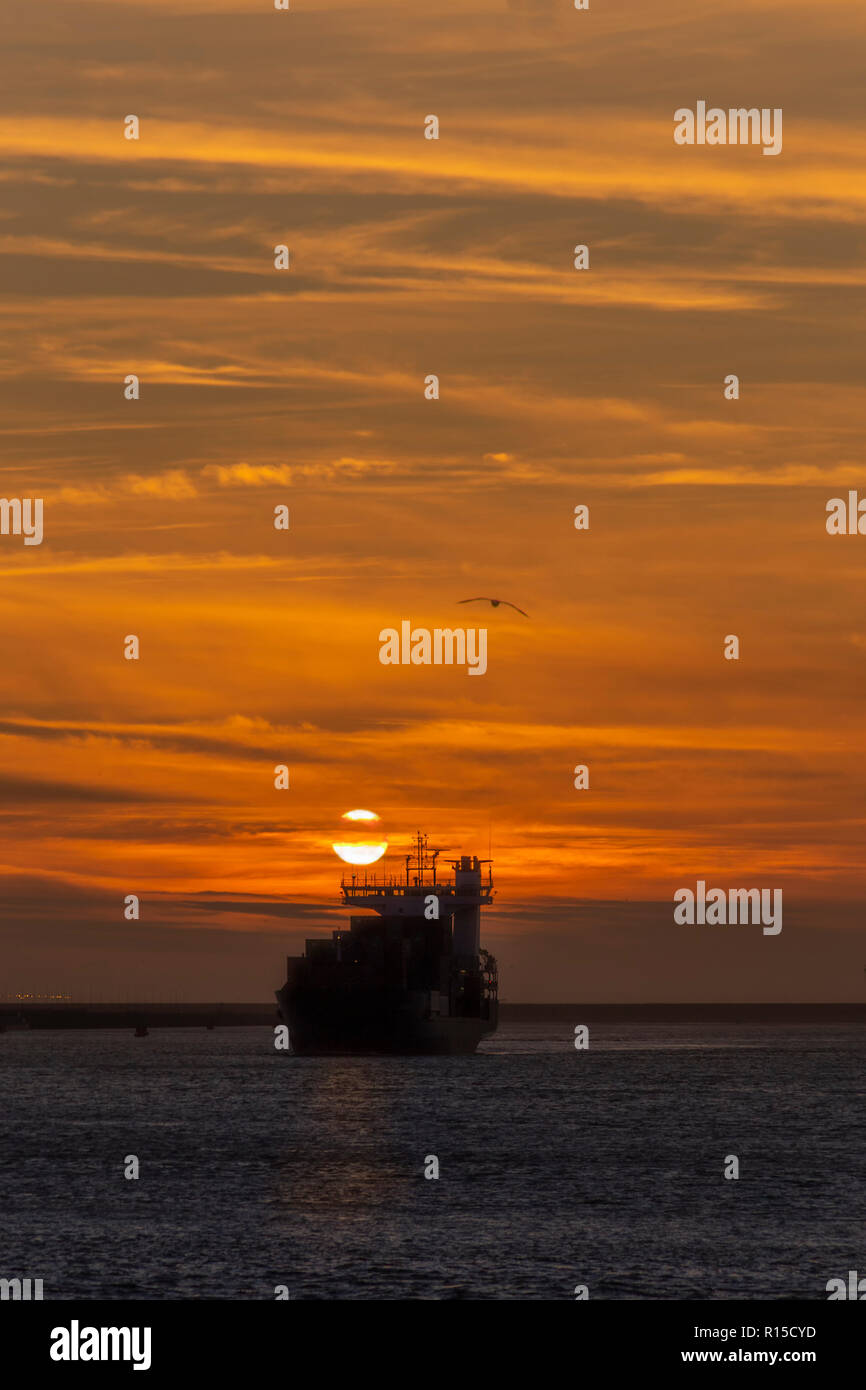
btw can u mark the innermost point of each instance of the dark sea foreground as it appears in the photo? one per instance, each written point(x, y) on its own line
point(558, 1167)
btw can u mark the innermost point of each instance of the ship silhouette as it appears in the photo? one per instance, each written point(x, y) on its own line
point(411, 978)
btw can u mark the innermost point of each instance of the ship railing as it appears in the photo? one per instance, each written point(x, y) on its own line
point(394, 888)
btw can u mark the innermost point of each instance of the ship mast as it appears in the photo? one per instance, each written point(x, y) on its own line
point(425, 860)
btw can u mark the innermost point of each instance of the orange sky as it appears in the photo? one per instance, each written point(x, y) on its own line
point(305, 387)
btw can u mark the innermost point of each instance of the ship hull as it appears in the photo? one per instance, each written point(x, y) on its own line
point(337, 1022)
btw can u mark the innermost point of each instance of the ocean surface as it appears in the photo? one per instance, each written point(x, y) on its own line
point(557, 1167)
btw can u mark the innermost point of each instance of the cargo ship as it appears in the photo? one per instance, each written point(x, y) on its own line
point(409, 978)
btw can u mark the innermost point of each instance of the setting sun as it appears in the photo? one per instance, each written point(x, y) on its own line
point(361, 839)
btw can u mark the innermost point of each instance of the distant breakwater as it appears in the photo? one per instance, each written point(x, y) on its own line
point(21, 1014)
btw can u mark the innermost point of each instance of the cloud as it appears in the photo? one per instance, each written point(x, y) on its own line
point(173, 485)
point(248, 475)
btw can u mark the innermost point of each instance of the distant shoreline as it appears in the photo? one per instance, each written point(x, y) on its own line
point(39, 1015)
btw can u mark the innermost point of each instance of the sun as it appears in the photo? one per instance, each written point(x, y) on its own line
point(361, 840)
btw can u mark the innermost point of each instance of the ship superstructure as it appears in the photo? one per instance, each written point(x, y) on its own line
point(410, 978)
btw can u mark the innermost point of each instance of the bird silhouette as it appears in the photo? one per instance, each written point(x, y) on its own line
point(496, 602)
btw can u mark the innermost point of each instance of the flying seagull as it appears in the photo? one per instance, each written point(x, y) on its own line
point(496, 602)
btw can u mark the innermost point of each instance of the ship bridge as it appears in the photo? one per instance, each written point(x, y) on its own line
point(460, 896)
